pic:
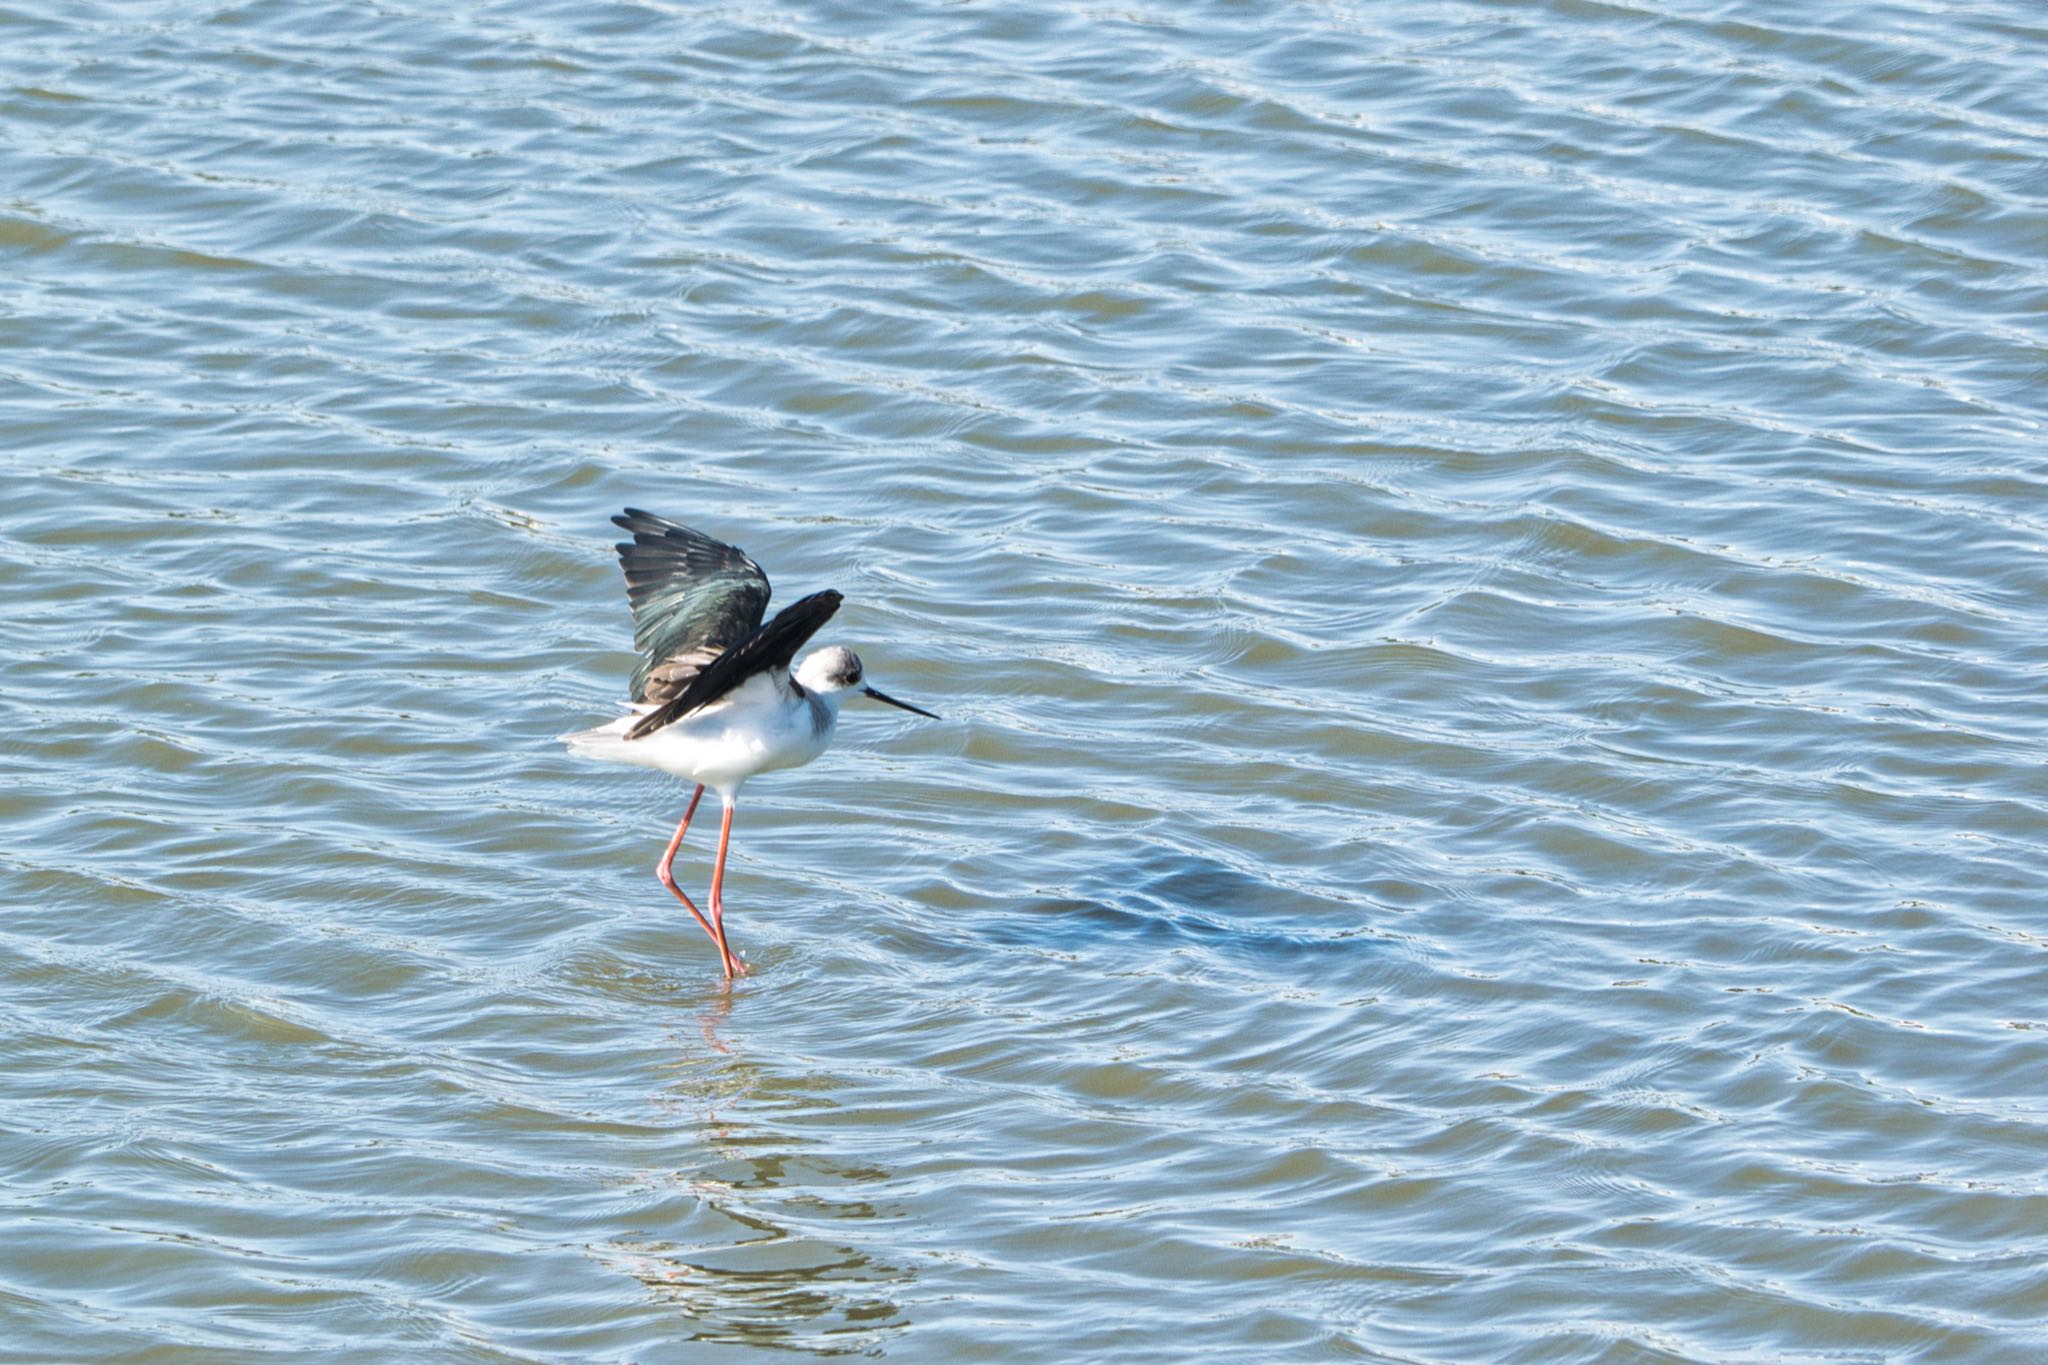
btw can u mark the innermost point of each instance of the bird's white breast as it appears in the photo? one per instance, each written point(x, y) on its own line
point(760, 726)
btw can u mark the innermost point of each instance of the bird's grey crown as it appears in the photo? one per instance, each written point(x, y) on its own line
point(837, 667)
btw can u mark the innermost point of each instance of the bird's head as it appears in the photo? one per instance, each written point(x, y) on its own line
point(835, 670)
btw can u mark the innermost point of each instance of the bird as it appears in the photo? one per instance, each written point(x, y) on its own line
point(714, 699)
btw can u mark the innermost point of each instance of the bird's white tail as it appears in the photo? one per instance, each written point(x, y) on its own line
point(607, 743)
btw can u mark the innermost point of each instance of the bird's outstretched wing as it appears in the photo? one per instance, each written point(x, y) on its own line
point(772, 646)
point(693, 599)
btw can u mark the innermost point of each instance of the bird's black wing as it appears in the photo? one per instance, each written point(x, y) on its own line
point(772, 646)
point(693, 598)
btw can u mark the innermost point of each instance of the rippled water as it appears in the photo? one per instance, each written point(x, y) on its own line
point(1484, 567)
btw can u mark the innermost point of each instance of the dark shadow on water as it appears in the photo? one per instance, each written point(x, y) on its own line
point(1165, 898)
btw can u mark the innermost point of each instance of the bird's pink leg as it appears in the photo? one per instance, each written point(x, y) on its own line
point(668, 877)
point(733, 966)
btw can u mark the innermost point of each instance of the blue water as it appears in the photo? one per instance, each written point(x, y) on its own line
point(1483, 568)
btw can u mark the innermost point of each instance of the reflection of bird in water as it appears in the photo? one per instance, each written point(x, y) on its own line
point(715, 699)
point(788, 1256)
point(708, 1084)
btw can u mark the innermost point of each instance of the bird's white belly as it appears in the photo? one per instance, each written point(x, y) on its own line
point(759, 728)
point(721, 754)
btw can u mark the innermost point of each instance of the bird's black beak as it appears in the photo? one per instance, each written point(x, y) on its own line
point(883, 696)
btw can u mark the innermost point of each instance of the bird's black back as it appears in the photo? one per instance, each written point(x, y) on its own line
point(772, 646)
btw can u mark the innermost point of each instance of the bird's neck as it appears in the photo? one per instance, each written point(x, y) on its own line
point(824, 710)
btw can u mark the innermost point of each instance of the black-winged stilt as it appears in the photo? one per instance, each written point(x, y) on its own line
point(714, 698)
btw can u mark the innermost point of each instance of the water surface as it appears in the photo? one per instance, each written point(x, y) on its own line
point(1483, 565)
